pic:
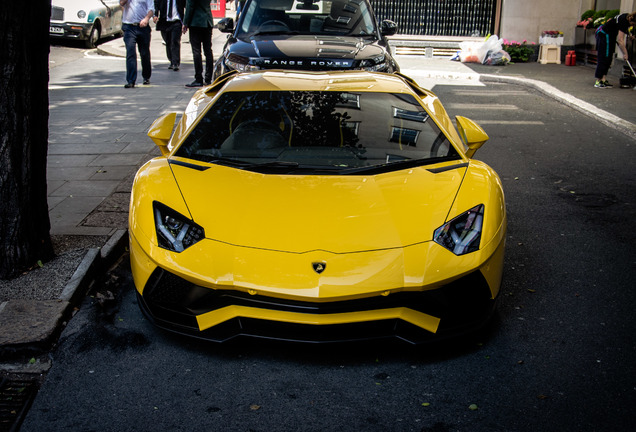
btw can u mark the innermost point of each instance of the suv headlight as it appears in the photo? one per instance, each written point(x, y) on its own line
point(240, 64)
point(376, 64)
point(462, 234)
point(175, 232)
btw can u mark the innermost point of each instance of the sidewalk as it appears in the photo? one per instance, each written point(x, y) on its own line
point(97, 140)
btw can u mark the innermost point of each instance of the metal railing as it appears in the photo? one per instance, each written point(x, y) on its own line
point(439, 17)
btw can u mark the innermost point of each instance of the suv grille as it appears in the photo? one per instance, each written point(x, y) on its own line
point(57, 13)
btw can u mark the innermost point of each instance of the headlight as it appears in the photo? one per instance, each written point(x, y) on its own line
point(376, 64)
point(240, 64)
point(462, 234)
point(81, 14)
point(175, 232)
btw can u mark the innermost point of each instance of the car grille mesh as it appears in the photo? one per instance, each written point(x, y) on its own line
point(57, 13)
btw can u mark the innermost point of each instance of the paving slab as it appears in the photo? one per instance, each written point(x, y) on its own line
point(29, 322)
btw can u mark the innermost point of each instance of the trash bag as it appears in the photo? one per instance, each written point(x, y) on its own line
point(497, 58)
point(476, 52)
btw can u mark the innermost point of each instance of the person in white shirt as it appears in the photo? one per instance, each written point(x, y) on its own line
point(137, 14)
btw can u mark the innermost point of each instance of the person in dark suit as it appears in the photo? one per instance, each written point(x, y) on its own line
point(169, 20)
point(198, 19)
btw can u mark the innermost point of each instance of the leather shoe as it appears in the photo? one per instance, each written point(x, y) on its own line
point(129, 85)
point(195, 84)
point(146, 81)
point(176, 68)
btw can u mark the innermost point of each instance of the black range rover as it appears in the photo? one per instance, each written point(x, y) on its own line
point(306, 35)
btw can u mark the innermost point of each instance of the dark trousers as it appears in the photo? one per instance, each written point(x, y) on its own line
point(201, 38)
point(605, 48)
point(137, 37)
point(172, 37)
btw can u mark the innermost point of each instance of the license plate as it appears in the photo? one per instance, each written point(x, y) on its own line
point(57, 30)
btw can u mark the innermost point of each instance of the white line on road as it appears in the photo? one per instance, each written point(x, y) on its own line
point(490, 107)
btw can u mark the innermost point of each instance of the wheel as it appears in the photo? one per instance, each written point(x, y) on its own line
point(93, 37)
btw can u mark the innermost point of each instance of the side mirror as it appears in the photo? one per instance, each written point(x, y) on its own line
point(472, 134)
point(226, 25)
point(388, 28)
point(161, 131)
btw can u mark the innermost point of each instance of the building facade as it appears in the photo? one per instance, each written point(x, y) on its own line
point(510, 19)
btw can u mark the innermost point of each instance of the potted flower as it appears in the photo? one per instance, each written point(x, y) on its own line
point(551, 37)
point(519, 51)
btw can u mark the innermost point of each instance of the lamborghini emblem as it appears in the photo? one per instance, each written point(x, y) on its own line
point(319, 267)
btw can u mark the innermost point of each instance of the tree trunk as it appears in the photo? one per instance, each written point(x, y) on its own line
point(24, 114)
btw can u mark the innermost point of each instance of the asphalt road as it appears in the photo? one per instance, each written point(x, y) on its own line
point(559, 356)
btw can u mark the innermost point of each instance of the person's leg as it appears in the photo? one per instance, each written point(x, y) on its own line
point(131, 53)
point(166, 35)
point(206, 42)
point(195, 43)
point(603, 58)
point(175, 42)
point(143, 43)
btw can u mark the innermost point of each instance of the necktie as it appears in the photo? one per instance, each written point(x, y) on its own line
point(170, 9)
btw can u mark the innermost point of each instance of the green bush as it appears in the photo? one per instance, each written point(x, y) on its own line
point(588, 14)
point(600, 14)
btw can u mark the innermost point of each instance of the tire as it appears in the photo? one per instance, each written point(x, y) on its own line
point(94, 36)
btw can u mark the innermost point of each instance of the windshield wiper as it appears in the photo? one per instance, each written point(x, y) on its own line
point(274, 32)
point(276, 166)
point(229, 162)
point(394, 166)
point(276, 163)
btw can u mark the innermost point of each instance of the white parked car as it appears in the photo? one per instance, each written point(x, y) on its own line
point(87, 20)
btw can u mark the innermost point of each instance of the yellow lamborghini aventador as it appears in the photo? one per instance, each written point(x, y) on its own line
point(318, 207)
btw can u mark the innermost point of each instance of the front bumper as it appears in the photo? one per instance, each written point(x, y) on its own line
point(80, 31)
point(177, 305)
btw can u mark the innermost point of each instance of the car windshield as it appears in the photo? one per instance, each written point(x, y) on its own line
point(326, 17)
point(335, 132)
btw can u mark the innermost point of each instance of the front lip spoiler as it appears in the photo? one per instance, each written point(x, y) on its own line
point(386, 330)
point(219, 316)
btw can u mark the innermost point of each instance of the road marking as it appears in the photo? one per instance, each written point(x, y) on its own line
point(510, 122)
point(490, 93)
point(468, 106)
point(69, 86)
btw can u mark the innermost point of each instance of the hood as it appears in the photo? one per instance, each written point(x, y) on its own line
point(289, 51)
point(301, 213)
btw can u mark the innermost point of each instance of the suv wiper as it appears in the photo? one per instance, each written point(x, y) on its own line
point(274, 32)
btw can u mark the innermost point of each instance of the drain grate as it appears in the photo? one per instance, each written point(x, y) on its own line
point(16, 396)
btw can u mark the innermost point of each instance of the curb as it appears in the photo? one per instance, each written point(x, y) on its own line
point(586, 108)
point(95, 261)
point(34, 326)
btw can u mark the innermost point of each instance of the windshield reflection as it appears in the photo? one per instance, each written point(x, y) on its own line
point(330, 130)
point(317, 17)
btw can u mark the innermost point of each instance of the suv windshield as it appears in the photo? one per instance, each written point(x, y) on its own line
point(309, 131)
point(327, 17)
